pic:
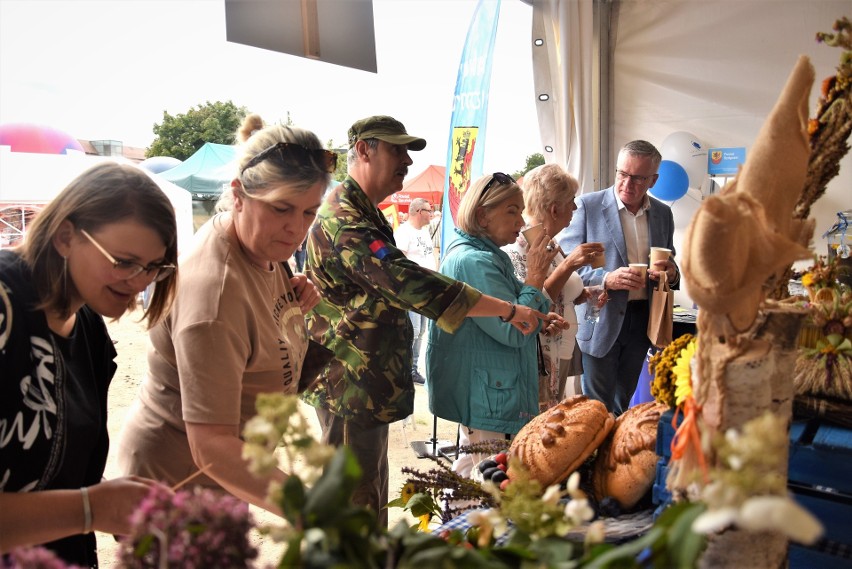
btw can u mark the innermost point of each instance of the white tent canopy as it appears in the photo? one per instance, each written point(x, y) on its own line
point(619, 70)
point(30, 179)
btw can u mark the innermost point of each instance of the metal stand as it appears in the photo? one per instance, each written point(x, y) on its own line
point(435, 448)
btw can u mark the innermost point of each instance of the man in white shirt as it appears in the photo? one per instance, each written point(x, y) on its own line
point(413, 239)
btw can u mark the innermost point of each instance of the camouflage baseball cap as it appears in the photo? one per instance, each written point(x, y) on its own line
point(384, 128)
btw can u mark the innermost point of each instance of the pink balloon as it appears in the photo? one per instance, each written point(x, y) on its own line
point(37, 139)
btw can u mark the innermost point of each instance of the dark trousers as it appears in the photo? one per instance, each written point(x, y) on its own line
point(370, 447)
point(612, 379)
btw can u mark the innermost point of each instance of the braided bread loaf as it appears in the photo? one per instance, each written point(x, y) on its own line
point(556, 442)
point(626, 462)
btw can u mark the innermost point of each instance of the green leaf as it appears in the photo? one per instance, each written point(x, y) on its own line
point(292, 554)
point(333, 490)
point(684, 545)
point(144, 546)
point(293, 500)
point(421, 504)
point(625, 555)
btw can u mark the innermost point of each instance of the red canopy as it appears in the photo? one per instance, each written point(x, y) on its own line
point(429, 185)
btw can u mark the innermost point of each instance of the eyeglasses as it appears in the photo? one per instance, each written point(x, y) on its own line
point(622, 175)
point(422, 210)
point(500, 178)
point(295, 155)
point(127, 270)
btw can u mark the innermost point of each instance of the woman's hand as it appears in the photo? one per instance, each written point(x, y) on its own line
point(306, 292)
point(113, 501)
point(583, 254)
point(554, 323)
point(540, 256)
point(526, 319)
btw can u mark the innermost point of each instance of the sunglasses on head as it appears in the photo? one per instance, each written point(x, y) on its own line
point(498, 178)
point(295, 155)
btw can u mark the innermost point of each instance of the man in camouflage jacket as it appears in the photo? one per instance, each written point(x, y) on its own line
point(368, 287)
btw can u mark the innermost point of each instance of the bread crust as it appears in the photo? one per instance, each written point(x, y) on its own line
point(626, 463)
point(556, 442)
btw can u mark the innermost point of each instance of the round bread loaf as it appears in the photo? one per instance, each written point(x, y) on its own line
point(626, 463)
point(556, 442)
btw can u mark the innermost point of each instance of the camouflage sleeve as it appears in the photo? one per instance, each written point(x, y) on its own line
point(375, 264)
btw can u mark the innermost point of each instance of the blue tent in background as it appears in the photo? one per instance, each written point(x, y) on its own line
point(206, 172)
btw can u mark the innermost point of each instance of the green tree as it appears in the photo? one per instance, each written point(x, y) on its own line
point(339, 170)
point(181, 135)
point(533, 160)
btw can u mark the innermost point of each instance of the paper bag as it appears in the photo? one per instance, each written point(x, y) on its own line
point(660, 314)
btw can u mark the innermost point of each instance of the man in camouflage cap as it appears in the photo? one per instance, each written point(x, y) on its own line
point(368, 286)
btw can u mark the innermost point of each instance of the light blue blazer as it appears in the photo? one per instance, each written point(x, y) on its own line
point(597, 220)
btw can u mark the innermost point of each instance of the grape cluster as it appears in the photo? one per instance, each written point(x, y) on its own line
point(494, 469)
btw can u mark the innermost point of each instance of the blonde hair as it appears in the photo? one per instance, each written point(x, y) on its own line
point(474, 199)
point(269, 180)
point(545, 186)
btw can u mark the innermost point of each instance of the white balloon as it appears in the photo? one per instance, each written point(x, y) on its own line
point(687, 150)
point(683, 210)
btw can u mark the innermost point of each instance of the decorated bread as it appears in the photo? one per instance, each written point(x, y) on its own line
point(556, 442)
point(626, 463)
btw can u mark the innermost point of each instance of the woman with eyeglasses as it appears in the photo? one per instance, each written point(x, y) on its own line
point(549, 193)
point(237, 328)
point(485, 375)
point(87, 255)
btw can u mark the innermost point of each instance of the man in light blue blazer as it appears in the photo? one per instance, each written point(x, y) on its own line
point(628, 222)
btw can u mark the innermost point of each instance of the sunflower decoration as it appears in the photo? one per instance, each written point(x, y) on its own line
point(662, 365)
point(820, 276)
point(683, 372)
point(408, 490)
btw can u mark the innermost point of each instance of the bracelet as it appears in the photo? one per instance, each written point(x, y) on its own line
point(87, 510)
point(511, 314)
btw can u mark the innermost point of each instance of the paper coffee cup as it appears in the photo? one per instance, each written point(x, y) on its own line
point(598, 260)
point(659, 254)
point(643, 269)
point(533, 232)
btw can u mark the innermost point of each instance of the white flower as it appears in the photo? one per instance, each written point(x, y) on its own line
point(579, 511)
point(258, 428)
point(479, 517)
point(780, 513)
point(736, 462)
point(552, 495)
point(763, 513)
point(574, 486)
point(713, 521)
point(596, 533)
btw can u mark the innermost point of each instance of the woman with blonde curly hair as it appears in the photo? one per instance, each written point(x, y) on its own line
point(549, 193)
point(237, 329)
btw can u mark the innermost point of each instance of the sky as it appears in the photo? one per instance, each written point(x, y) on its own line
point(109, 69)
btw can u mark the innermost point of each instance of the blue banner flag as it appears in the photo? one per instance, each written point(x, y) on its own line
point(470, 111)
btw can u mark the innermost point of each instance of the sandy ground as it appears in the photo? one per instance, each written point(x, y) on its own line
point(131, 340)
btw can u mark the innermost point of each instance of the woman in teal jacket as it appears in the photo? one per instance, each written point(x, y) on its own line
point(485, 375)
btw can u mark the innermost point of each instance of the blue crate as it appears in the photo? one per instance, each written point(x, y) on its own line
point(659, 492)
point(665, 433)
point(821, 456)
point(820, 477)
point(820, 480)
point(800, 557)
